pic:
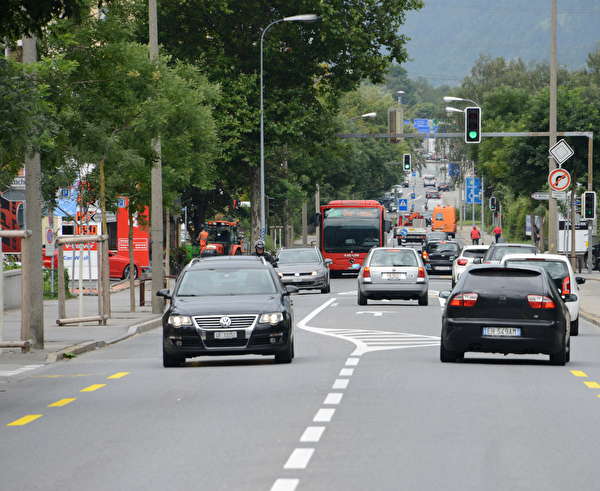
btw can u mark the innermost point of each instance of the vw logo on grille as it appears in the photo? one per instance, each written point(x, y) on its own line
point(296, 274)
point(225, 322)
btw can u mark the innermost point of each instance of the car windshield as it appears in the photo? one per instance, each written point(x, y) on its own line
point(291, 257)
point(207, 282)
point(393, 258)
point(556, 269)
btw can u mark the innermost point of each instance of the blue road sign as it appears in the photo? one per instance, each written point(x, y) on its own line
point(412, 195)
point(402, 205)
point(473, 191)
point(403, 232)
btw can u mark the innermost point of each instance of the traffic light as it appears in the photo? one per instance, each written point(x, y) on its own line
point(493, 203)
point(406, 162)
point(271, 206)
point(472, 124)
point(589, 205)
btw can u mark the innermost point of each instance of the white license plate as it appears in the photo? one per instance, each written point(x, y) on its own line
point(297, 280)
point(443, 268)
point(396, 276)
point(501, 331)
point(225, 334)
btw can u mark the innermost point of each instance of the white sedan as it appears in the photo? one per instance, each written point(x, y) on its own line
point(465, 259)
point(559, 268)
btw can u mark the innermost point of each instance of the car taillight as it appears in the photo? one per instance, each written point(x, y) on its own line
point(462, 262)
point(540, 302)
point(566, 286)
point(366, 272)
point(421, 273)
point(425, 256)
point(464, 300)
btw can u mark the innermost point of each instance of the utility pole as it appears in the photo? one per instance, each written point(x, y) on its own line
point(33, 220)
point(158, 272)
point(552, 203)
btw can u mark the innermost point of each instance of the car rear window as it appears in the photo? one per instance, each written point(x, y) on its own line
point(511, 280)
point(500, 252)
point(443, 247)
point(474, 252)
point(556, 269)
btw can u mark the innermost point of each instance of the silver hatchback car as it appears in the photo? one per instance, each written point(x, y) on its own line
point(393, 273)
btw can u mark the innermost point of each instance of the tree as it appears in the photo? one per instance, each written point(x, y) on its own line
point(306, 68)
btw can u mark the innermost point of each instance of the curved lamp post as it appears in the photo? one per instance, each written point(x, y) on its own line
point(368, 115)
point(452, 99)
point(294, 18)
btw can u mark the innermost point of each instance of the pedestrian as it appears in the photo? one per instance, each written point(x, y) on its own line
point(475, 235)
point(536, 234)
point(497, 232)
point(202, 238)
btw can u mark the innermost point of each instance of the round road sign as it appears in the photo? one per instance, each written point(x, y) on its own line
point(559, 179)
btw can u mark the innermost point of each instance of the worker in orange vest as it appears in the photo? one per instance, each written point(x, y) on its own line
point(202, 238)
point(475, 235)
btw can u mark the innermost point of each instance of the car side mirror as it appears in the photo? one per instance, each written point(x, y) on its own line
point(579, 280)
point(478, 260)
point(570, 297)
point(290, 289)
point(328, 261)
point(444, 293)
point(164, 293)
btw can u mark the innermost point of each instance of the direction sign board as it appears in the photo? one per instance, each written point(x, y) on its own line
point(473, 191)
point(402, 205)
point(559, 179)
point(541, 196)
point(561, 152)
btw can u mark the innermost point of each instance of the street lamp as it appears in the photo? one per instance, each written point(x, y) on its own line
point(294, 18)
point(453, 110)
point(368, 115)
point(400, 92)
point(452, 99)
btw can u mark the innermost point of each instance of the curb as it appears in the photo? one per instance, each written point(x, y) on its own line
point(93, 345)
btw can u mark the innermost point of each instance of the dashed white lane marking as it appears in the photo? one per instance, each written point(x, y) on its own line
point(352, 361)
point(312, 434)
point(16, 371)
point(324, 415)
point(333, 398)
point(346, 372)
point(285, 485)
point(340, 383)
point(299, 458)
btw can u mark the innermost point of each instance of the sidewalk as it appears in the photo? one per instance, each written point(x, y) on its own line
point(79, 338)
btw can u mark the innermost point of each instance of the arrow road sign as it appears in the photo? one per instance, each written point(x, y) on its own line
point(541, 196)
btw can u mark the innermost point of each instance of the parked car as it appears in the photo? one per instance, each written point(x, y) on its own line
point(432, 194)
point(497, 251)
point(465, 259)
point(439, 256)
point(505, 309)
point(228, 305)
point(560, 270)
point(396, 273)
point(119, 265)
point(305, 268)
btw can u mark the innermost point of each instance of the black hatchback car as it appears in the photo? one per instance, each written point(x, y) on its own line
point(505, 309)
point(439, 256)
point(229, 305)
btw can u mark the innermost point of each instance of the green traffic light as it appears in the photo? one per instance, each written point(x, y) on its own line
point(472, 134)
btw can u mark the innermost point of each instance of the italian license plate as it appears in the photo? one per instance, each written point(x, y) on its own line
point(396, 276)
point(501, 331)
point(225, 334)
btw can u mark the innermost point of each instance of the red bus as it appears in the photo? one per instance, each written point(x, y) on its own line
point(349, 229)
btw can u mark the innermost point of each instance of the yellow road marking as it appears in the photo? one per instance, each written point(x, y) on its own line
point(578, 373)
point(62, 402)
point(592, 385)
point(25, 420)
point(119, 375)
point(92, 388)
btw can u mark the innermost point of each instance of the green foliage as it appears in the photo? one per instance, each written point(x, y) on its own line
point(50, 290)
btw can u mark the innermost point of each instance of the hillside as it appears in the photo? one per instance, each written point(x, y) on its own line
point(447, 36)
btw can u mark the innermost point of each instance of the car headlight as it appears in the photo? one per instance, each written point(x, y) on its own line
point(180, 320)
point(316, 273)
point(273, 318)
